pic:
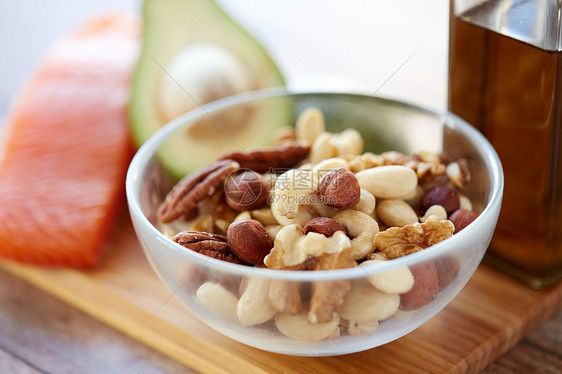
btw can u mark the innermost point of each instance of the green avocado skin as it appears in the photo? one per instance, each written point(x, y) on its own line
point(168, 27)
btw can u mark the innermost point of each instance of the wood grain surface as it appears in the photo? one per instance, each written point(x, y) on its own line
point(83, 336)
point(490, 315)
point(41, 334)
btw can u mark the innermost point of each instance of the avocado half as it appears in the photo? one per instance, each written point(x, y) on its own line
point(181, 63)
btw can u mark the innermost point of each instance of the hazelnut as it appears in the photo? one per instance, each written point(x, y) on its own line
point(441, 195)
point(248, 239)
point(447, 270)
point(462, 218)
point(426, 286)
point(323, 225)
point(246, 190)
point(340, 189)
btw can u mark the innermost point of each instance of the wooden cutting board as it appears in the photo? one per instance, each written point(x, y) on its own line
point(490, 315)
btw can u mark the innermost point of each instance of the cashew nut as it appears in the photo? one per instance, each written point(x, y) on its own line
point(304, 215)
point(310, 124)
point(398, 280)
point(434, 210)
point(330, 164)
point(362, 228)
point(264, 215)
point(253, 306)
point(366, 303)
point(218, 300)
point(242, 216)
point(284, 252)
point(297, 327)
point(273, 230)
point(292, 247)
point(323, 210)
point(315, 244)
point(322, 148)
point(366, 202)
point(292, 189)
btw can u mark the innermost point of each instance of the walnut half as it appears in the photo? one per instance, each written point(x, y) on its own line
point(401, 241)
point(327, 296)
point(211, 245)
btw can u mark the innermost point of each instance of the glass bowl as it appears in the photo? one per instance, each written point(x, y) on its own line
point(211, 289)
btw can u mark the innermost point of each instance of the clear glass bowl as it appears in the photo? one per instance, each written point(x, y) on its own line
point(385, 125)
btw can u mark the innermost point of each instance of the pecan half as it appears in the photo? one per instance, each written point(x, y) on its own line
point(283, 156)
point(184, 198)
point(212, 245)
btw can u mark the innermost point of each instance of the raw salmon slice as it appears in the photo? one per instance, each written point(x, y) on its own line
point(67, 147)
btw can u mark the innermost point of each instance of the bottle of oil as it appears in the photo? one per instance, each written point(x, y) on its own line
point(505, 78)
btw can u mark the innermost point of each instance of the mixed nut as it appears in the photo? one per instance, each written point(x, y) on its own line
point(316, 202)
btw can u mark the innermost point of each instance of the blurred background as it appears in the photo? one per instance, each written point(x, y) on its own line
point(354, 44)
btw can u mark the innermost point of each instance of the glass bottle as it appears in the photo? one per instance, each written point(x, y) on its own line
point(505, 78)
